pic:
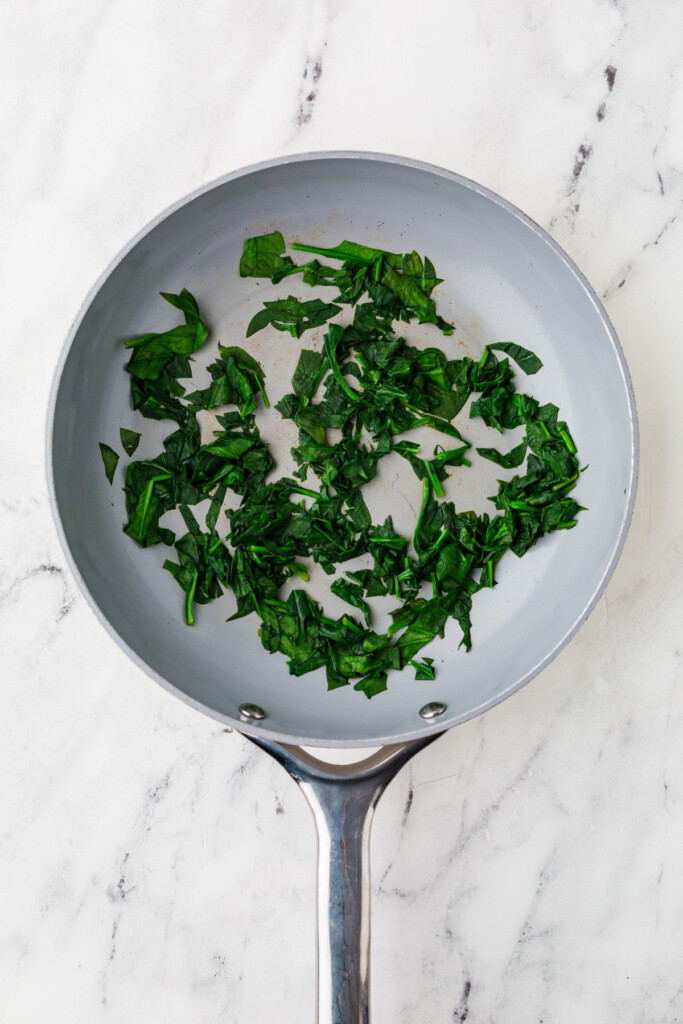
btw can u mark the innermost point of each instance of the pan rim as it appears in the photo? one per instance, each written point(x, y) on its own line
point(424, 729)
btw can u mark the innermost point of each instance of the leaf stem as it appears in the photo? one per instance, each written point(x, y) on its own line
point(334, 254)
point(263, 391)
point(568, 440)
point(565, 483)
point(426, 495)
point(394, 542)
point(295, 489)
point(332, 356)
point(445, 532)
point(189, 599)
point(433, 478)
point(142, 530)
point(142, 340)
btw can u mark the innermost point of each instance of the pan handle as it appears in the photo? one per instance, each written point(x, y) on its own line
point(343, 799)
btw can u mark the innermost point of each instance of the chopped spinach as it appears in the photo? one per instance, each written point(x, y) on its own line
point(370, 387)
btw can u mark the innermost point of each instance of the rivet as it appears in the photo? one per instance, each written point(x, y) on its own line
point(432, 710)
point(252, 711)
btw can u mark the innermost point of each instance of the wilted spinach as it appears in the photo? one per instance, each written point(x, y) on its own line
point(375, 386)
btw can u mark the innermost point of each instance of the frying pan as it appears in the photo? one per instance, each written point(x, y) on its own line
point(505, 279)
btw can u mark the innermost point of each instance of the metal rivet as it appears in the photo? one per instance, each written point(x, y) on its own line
point(433, 709)
point(252, 711)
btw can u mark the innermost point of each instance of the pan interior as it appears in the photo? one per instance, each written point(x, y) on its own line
point(504, 281)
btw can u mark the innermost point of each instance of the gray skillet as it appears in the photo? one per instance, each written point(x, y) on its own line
point(505, 279)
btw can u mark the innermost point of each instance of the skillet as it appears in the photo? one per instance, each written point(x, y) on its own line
point(505, 280)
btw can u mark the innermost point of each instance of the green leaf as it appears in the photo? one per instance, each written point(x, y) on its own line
point(347, 251)
point(423, 669)
point(318, 274)
point(262, 256)
point(242, 359)
point(237, 379)
point(110, 460)
point(504, 409)
point(515, 457)
point(153, 352)
point(292, 316)
point(358, 512)
point(353, 594)
point(414, 298)
point(306, 379)
point(372, 684)
point(215, 507)
point(525, 359)
point(130, 439)
point(330, 345)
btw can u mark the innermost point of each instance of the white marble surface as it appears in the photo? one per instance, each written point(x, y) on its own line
point(527, 867)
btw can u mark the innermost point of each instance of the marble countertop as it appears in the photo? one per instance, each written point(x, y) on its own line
point(526, 867)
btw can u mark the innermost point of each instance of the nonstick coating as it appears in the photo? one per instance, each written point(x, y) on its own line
point(505, 280)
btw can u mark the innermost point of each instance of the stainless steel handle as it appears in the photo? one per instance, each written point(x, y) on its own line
point(343, 799)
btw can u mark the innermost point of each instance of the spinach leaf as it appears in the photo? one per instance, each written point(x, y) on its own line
point(130, 439)
point(307, 376)
point(410, 291)
point(110, 460)
point(262, 257)
point(292, 316)
point(513, 458)
point(348, 251)
point(423, 669)
point(353, 593)
point(504, 409)
point(525, 359)
point(372, 684)
point(152, 352)
point(203, 564)
point(237, 379)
